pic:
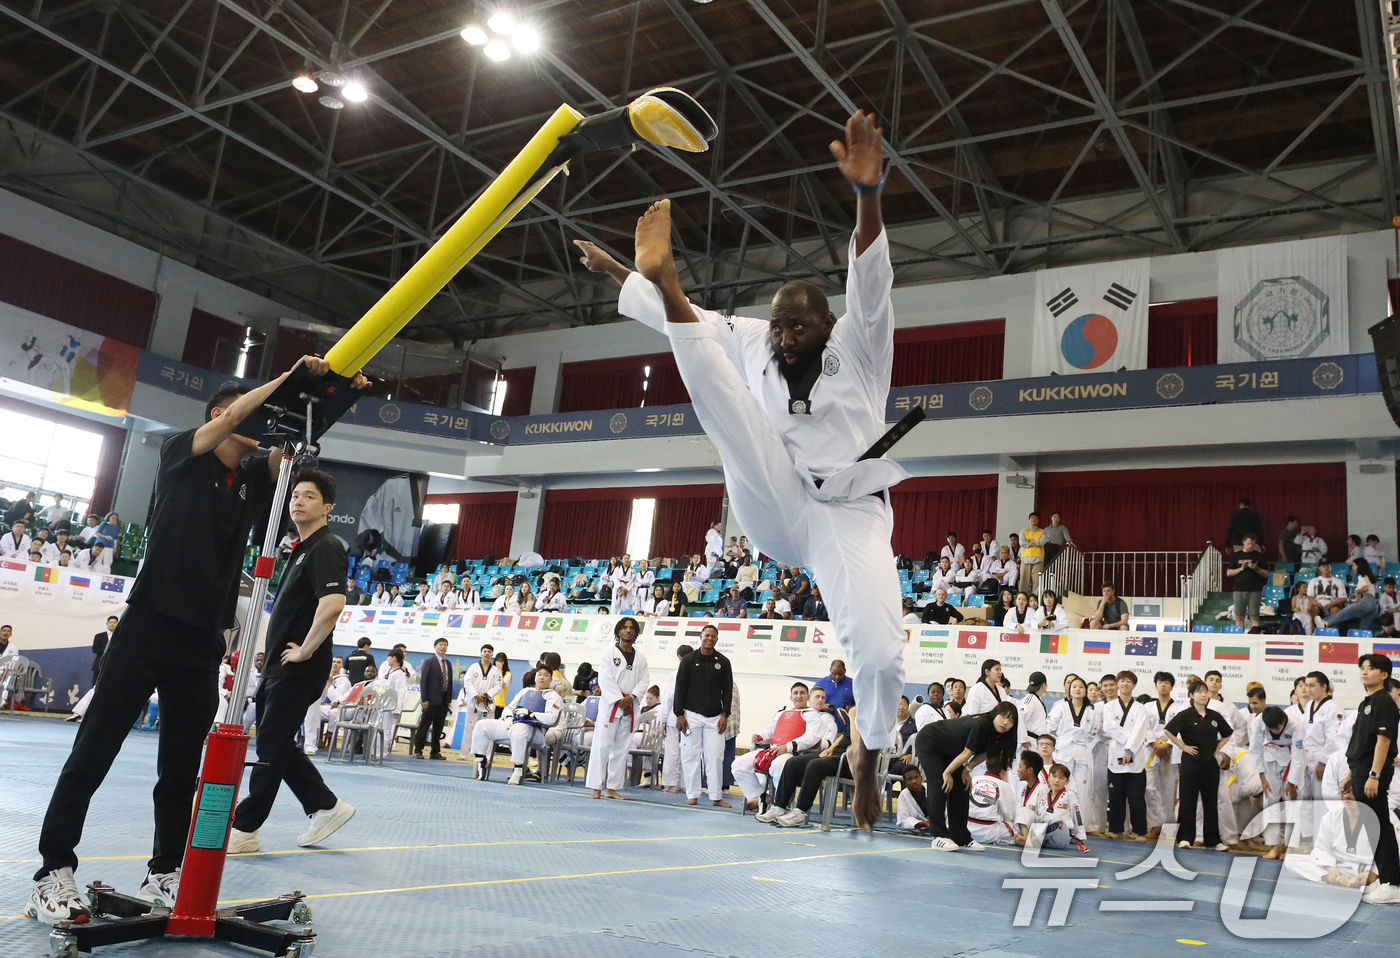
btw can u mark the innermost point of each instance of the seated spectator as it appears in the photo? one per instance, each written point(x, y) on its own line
point(1329, 592)
point(933, 709)
point(803, 775)
point(985, 549)
point(95, 558)
point(793, 730)
point(677, 600)
point(815, 607)
point(1006, 600)
point(657, 603)
point(1342, 852)
point(1373, 555)
point(1303, 608)
point(380, 596)
point(15, 544)
point(1021, 617)
point(524, 600)
point(1112, 612)
point(1002, 568)
point(782, 606)
point(581, 587)
point(1061, 815)
point(36, 554)
point(967, 579)
point(991, 811)
point(940, 611)
point(1388, 601)
point(910, 616)
point(1013, 542)
point(59, 545)
point(942, 577)
point(1049, 617)
point(1311, 546)
point(904, 725)
point(746, 576)
point(732, 606)
point(769, 611)
point(953, 551)
point(396, 598)
point(65, 558)
point(1364, 606)
point(89, 530)
point(531, 712)
point(909, 813)
point(1353, 547)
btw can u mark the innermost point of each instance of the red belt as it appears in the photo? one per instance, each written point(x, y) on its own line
point(632, 717)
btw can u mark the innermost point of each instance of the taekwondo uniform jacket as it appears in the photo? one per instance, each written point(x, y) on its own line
point(1278, 756)
point(1130, 732)
point(616, 679)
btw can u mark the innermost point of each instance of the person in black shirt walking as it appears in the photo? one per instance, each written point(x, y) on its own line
point(1371, 758)
point(704, 689)
point(1199, 732)
point(946, 751)
point(210, 487)
point(310, 598)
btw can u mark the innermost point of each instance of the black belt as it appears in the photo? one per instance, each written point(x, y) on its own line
point(886, 442)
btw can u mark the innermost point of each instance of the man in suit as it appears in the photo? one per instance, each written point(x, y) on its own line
point(99, 645)
point(435, 683)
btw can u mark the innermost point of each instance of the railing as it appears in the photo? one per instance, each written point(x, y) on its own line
point(1131, 573)
point(1204, 579)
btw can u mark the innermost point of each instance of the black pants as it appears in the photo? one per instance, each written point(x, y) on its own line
point(281, 704)
point(946, 811)
point(1127, 791)
point(432, 718)
point(817, 771)
point(1387, 856)
point(1203, 781)
point(791, 778)
point(148, 652)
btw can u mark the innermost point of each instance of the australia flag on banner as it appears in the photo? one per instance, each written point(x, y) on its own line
point(1140, 645)
point(112, 583)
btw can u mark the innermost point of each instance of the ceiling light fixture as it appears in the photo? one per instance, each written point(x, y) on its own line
point(496, 50)
point(332, 103)
point(305, 84)
point(331, 78)
point(526, 41)
point(475, 36)
point(355, 93)
point(502, 24)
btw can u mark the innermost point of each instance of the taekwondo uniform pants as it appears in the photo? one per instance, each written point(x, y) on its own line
point(1081, 776)
point(846, 544)
point(1056, 835)
point(1099, 770)
point(1309, 790)
point(612, 737)
point(703, 749)
point(749, 779)
point(521, 735)
point(671, 758)
point(1273, 774)
point(989, 832)
point(1162, 777)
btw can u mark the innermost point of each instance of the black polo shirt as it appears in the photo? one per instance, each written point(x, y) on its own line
point(973, 732)
point(1377, 715)
point(316, 568)
point(1202, 731)
point(359, 660)
point(199, 533)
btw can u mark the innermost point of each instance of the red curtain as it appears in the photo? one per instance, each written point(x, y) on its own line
point(950, 353)
point(1156, 510)
point(681, 524)
point(434, 390)
point(592, 529)
point(1181, 334)
point(926, 508)
point(292, 344)
point(53, 286)
point(484, 523)
point(214, 343)
point(618, 383)
point(520, 386)
point(665, 387)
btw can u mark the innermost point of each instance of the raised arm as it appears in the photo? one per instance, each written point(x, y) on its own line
point(860, 160)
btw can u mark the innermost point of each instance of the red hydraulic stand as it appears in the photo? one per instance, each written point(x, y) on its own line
point(122, 918)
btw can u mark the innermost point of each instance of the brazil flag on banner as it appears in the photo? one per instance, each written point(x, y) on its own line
point(553, 624)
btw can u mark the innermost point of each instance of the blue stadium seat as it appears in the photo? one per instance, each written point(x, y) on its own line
point(1203, 628)
point(1327, 633)
point(955, 600)
point(976, 601)
point(1360, 634)
point(1233, 629)
point(1146, 628)
point(1174, 628)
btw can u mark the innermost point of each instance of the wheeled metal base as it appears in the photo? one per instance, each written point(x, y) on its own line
point(123, 918)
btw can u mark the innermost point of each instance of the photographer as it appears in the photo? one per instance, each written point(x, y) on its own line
point(1248, 571)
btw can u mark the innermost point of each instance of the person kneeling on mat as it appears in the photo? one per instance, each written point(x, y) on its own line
point(947, 750)
point(530, 713)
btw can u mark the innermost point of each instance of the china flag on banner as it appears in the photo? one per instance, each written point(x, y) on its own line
point(972, 640)
point(1338, 653)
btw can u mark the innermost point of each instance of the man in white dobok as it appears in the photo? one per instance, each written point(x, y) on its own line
point(623, 680)
point(794, 404)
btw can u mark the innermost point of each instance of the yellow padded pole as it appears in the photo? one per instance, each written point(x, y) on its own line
point(502, 200)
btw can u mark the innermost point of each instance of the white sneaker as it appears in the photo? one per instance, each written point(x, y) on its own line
point(771, 815)
point(1319, 622)
point(941, 844)
point(792, 818)
point(56, 898)
point(1183, 844)
point(1222, 847)
point(160, 889)
point(243, 843)
point(516, 776)
point(974, 846)
point(324, 823)
point(1380, 893)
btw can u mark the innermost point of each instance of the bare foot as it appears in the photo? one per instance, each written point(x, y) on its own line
point(613, 795)
point(752, 805)
point(1273, 853)
point(597, 793)
point(721, 803)
point(654, 259)
point(866, 806)
point(691, 801)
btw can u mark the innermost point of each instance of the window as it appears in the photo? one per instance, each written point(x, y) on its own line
point(639, 530)
point(55, 460)
point(442, 513)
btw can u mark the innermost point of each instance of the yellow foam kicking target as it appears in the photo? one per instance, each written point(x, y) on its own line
point(664, 116)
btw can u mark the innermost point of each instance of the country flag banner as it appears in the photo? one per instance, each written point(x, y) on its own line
point(934, 638)
point(388, 616)
point(455, 620)
point(972, 640)
point(502, 621)
point(1275, 651)
point(366, 616)
point(1338, 653)
point(42, 574)
point(553, 624)
point(113, 583)
point(790, 633)
point(1090, 318)
point(1097, 648)
point(409, 617)
point(580, 625)
point(9, 566)
point(1233, 653)
point(430, 619)
point(1391, 649)
point(1024, 637)
point(480, 621)
point(346, 616)
point(757, 632)
point(817, 636)
point(528, 622)
point(727, 626)
point(1054, 644)
point(1179, 649)
point(1140, 645)
point(79, 581)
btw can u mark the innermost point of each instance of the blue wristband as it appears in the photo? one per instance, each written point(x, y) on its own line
point(862, 190)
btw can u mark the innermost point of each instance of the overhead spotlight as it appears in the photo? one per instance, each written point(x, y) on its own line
point(475, 36)
point(502, 24)
point(331, 78)
point(305, 84)
point(526, 41)
point(496, 50)
point(332, 103)
point(355, 93)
